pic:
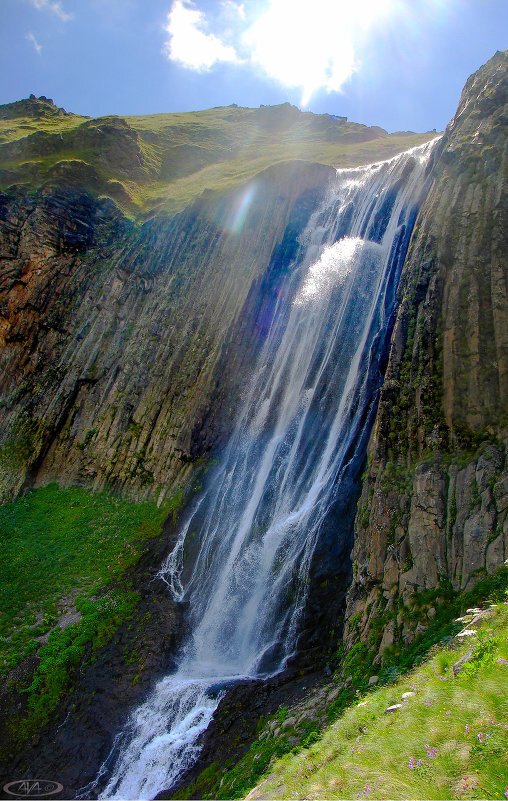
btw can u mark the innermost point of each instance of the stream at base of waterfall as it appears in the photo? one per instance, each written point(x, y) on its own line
point(260, 516)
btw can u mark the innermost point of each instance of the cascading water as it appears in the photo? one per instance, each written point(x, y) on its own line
point(260, 518)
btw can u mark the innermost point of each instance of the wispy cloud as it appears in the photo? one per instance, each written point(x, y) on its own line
point(54, 6)
point(31, 38)
point(190, 45)
point(233, 9)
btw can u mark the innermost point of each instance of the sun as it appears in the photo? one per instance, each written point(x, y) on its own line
point(312, 44)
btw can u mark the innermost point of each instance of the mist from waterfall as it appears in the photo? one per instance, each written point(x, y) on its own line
point(254, 530)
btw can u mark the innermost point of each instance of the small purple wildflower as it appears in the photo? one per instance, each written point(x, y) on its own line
point(419, 763)
point(506, 793)
point(480, 736)
point(412, 763)
point(431, 752)
point(467, 728)
point(502, 661)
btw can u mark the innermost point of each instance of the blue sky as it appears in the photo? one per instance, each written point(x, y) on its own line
point(400, 64)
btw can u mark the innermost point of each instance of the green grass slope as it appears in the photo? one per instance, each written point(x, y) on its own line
point(65, 583)
point(446, 738)
point(162, 162)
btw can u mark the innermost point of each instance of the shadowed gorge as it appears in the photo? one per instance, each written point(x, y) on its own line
point(296, 371)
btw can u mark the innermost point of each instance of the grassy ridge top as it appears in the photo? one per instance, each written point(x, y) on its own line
point(161, 162)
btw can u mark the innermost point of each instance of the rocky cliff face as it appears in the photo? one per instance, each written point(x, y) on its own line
point(433, 510)
point(123, 348)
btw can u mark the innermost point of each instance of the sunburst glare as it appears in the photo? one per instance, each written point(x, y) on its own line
point(312, 45)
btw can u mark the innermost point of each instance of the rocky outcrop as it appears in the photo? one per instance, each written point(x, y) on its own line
point(433, 510)
point(123, 348)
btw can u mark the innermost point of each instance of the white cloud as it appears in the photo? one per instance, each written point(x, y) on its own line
point(189, 45)
point(54, 6)
point(31, 38)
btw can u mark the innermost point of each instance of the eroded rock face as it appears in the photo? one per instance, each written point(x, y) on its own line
point(434, 503)
point(123, 349)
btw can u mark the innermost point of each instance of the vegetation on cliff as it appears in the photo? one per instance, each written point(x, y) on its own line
point(441, 732)
point(66, 585)
point(163, 162)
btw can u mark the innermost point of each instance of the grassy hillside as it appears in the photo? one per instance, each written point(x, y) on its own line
point(65, 583)
point(57, 541)
point(446, 736)
point(163, 161)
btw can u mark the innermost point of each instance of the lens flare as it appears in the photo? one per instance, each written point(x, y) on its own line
point(239, 214)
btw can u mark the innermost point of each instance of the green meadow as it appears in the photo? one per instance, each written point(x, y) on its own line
point(67, 552)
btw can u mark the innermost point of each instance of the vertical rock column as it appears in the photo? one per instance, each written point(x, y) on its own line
point(433, 510)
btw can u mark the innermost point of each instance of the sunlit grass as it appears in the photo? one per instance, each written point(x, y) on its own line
point(12, 129)
point(450, 739)
point(181, 155)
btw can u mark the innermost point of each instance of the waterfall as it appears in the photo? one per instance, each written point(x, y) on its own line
point(254, 530)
